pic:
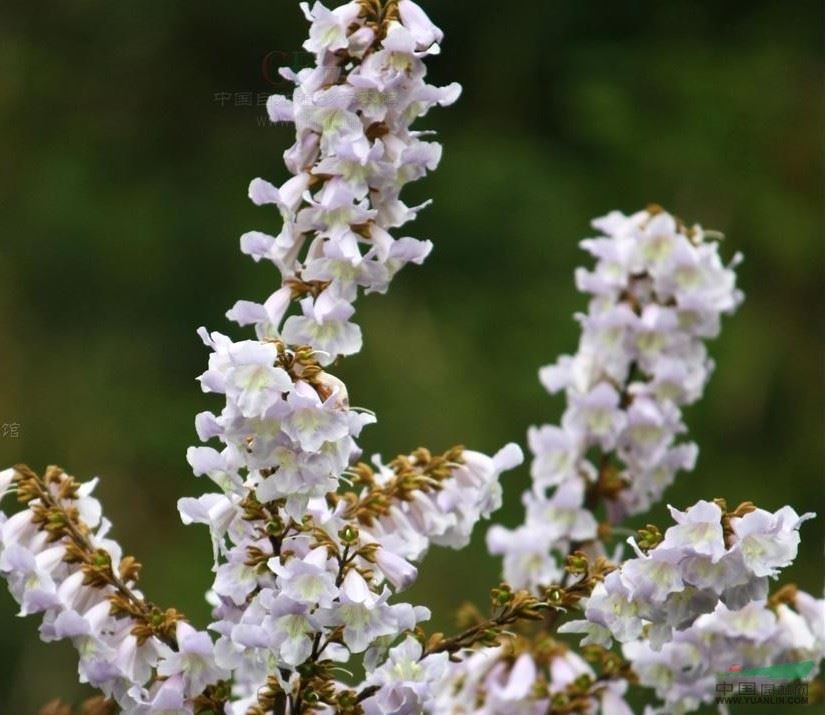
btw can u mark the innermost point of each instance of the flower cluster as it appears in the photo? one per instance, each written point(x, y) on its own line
point(286, 423)
point(696, 602)
point(694, 668)
point(657, 293)
point(315, 587)
point(306, 568)
point(297, 593)
point(709, 557)
point(417, 500)
point(552, 678)
point(59, 562)
point(312, 546)
point(354, 152)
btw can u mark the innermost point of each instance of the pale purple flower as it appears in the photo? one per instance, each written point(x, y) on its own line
point(596, 416)
point(276, 623)
point(564, 515)
point(565, 669)
point(556, 453)
point(699, 530)
point(166, 697)
point(308, 580)
point(364, 614)
point(425, 33)
point(193, 660)
point(30, 576)
point(405, 680)
point(220, 467)
point(508, 690)
point(235, 579)
point(311, 422)
point(768, 542)
point(527, 561)
point(398, 571)
point(328, 31)
point(612, 605)
point(652, 578)
point(325, 325)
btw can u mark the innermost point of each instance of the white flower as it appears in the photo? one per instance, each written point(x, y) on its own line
point(527, 560)
point(611, 605)
point(563, 516)
point(328, 31)
point(405, 681)
point(596, 416)
point(654, 577)
point(309, 580)
point(556, 453)
point(699, 531)
point(325, 325)
point(398, 571)
point(193, 661)
point(364, 615)
point(311, 422)
point(768, 542)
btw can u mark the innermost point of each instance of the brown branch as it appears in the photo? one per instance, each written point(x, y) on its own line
point(509, 607)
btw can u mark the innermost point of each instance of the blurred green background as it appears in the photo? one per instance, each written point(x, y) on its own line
point(124, 195)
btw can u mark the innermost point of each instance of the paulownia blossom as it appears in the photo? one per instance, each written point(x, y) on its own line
point(354, 153)
point(657, 294)
point(688, 602)
point(312, 546)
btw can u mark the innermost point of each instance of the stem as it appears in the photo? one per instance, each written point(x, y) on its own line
point(474, 634)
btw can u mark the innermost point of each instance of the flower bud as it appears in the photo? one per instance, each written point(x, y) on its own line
point(397, 571)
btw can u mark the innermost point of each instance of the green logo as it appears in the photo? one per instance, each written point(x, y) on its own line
point(784, 671)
